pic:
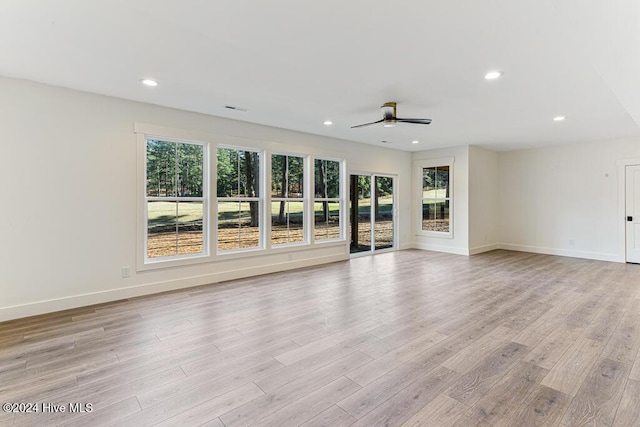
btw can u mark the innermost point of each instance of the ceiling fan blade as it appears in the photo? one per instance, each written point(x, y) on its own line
point(416, 121)
point(367, 124)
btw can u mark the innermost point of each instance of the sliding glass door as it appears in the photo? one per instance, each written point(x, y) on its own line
point(372, 213)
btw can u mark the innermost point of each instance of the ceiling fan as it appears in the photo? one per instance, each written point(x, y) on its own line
point(389, 118)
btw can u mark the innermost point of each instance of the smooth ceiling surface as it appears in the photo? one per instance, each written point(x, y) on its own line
point(294, 64)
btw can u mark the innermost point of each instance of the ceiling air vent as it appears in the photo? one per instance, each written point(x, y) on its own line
point(231, 107)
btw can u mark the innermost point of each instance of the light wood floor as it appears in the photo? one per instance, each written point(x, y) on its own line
point(401, 339)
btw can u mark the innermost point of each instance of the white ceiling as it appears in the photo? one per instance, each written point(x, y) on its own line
point(294, 64)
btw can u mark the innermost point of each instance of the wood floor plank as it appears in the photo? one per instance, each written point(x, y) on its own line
point(423, 348)
point(213, 423)
point(573, 367)
point(109, 415)
point(311, 405)
point(317, 346)
point(547, 353)
point(184, 403)
point(221, 383)
point(624, 343)
point(441, 411)
point(499, 404)
point(212, 409)
point(628, 412)
point(488, 371)
point(332, 417)
point(376, 392)
point(635, 371)
point(606, 320)
point(404, 404)
point(391, 342)
point(598, 398)
point(465, 359)
point(392, 324)
point(549, 321)
point(305, 366)
point(104, 394)
point(262, 407)
point(543, 407)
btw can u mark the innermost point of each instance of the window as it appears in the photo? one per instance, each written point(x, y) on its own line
point(287, 199)
point(327, 202)
point(199, 201)
point(239, 203)
point(436, 197)
point(175, 202)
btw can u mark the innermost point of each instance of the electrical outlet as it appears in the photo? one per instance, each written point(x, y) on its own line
point(571, 242)
point(126, 272)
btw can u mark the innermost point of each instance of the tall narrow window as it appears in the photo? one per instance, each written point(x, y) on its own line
point(436, 199)
point(239, 202)
point(176, 207)
point(287, 199)
point(327, 202)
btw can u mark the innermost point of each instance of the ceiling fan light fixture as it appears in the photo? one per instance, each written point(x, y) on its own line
point(492, 75)
point(390, 119)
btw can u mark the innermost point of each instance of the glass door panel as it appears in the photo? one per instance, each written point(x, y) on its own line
point(360, 203)
point(372, 214)
point(383, 212)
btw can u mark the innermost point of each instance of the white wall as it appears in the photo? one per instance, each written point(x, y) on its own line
point(68, 217)
point(483, 200)
point(459, 244)
point(565, 200)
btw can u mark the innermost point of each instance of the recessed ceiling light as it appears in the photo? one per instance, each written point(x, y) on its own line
point(328, 123)
point(492, 75)
point(149, 82)
point(559, 118)
point(415, 141)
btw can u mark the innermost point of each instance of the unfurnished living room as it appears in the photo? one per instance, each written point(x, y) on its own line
point(244, 213)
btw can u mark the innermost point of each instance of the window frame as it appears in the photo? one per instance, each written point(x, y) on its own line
point(304, 199)
point(143, 131)
point(144, 261)
point(419, 167)
point(342, 188)
point(262, 188)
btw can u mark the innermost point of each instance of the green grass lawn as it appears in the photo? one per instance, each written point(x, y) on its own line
point(165, 212)
point(434, 194)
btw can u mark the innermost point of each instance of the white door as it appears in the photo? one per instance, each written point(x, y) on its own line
point(633, 213)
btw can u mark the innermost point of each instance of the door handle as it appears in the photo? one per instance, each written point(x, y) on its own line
point(630, 218)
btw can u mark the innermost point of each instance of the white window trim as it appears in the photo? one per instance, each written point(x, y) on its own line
point(430, 163)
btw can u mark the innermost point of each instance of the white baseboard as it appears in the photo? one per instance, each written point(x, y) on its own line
point(562, 252)
point(439, 248)
point(485, 248)
point(49, 306)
